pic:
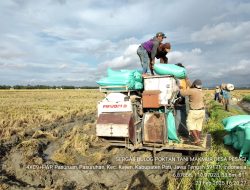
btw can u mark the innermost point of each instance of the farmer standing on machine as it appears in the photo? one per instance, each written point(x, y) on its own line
point(196, 113)
point(147, 52)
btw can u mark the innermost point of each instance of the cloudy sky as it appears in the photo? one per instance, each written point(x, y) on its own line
point(73, 42)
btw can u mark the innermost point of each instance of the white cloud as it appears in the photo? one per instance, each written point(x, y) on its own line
point(240, 68)
point(189, 58)
point(129, 59)
point(196, 51)
point(63, 66)
point(74, 39)
point(9, 51)
point(175, 57)
point(221, 32)
point(234, 9)
point(13, 66)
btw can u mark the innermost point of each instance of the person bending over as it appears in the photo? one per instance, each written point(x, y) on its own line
point(147, 52)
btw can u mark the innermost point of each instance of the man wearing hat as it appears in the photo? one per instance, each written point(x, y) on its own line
point(217, 94)
point(147, 52)
point(196, 113)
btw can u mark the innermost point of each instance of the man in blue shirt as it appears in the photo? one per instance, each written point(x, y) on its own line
point(226, 97)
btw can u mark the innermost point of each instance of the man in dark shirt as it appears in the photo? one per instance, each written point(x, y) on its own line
point(162, 52)
point(147, 52)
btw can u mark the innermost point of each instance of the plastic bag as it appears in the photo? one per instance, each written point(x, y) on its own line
point(130, 78)
point(170, 69)
point(233, 121)
point(240, 137)
point(228, 140)
point(125, 74)
point(246, 145)
point(138, 85)
point(172, 135)
point(112, 81)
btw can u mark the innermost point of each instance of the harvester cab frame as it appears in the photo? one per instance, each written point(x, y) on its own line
point(137, 119)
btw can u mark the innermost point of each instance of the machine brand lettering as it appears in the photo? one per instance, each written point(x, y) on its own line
point(114, 106)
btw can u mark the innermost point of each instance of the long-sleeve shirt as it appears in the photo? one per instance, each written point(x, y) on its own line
point(195, 97)
point(151, 47)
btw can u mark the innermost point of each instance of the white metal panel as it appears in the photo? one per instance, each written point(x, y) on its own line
point(159, 83)
point(115, 97)
point(166, 85)
point(164, 97)
point(108, 107)
point(151, 84)
point(99, 108)
point(112, 130)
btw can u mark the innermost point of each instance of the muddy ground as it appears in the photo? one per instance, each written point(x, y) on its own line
point(245, 106)
point(59, 155)
point(55, 156)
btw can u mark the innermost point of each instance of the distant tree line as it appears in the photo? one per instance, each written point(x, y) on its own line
point(44, 87)
point(71, 87)
point(5, 87)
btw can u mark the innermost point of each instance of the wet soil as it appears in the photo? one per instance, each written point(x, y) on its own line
point(26, 161)
point(245, 106)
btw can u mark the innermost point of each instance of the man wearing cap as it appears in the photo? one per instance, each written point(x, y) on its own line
point(196, 113)
point(147, 52)
point(217, 94)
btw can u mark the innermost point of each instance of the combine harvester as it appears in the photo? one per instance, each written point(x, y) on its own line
point(137, 119)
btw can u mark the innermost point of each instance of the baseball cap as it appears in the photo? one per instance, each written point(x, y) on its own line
point(197, 83)
point(160, 34)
